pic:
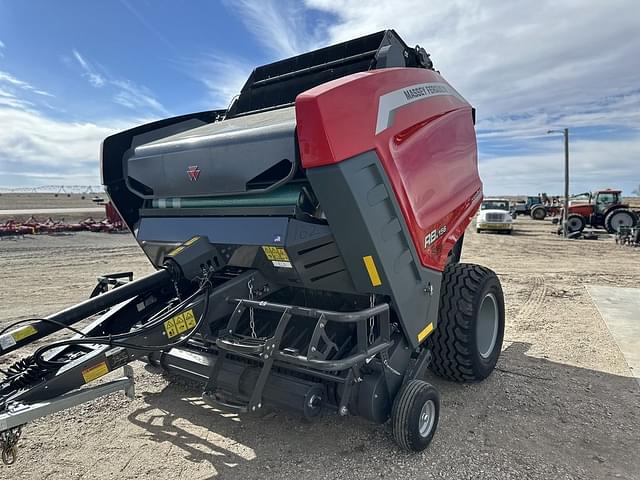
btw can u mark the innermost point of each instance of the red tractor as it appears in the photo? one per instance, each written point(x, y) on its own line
point(602, 209)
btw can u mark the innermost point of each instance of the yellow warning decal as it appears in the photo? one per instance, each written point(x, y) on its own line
point(192, 241)
point(97, 371)
point(425, 332)
point(24, 332)
point(175, 251)
point(372, 270)
point(277, 254)
point(180, 323)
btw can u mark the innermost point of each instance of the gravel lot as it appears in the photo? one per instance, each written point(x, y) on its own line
point(561, 404)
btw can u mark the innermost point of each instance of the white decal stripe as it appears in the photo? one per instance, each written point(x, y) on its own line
point(390, 102)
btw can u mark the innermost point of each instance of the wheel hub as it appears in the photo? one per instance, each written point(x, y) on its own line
point(573, 224)
point(427, 418)
point(622, 220)
point(488, 322)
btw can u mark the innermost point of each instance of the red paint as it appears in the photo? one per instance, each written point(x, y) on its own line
point(584, 209)
point(429, 152)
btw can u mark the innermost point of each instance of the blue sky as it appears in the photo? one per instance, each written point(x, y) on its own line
point(73, 72)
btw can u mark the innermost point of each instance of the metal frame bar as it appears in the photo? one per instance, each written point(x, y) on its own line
point(267, 349)
point(19, 414)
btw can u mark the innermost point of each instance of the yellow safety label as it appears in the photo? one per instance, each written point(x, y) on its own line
point(180, 323)
point(425, 332)
point(370, 265)
point(192, 241)
point(97, 371)
point(175, 251)
point(189, 319)
point(277, 254)
point(24, 332)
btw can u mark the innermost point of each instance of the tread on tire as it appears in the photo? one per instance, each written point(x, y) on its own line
point(454, 343)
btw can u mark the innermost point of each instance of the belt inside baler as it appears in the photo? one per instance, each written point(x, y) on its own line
point(285, 195)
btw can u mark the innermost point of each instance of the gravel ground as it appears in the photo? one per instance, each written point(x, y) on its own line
point(561, 404)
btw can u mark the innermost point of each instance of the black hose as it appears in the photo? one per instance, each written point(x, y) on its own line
point(116, 340)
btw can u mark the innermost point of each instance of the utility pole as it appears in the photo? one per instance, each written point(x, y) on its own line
point(565, 210)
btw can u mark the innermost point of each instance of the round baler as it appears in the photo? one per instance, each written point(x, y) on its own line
point(308, 243)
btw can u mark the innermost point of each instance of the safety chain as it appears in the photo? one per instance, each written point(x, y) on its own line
point(9, 444)
point(252, 322)
point(372, 303)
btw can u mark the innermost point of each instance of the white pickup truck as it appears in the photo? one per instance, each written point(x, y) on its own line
point(494, 215)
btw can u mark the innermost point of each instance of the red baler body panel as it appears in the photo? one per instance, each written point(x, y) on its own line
point(422, 131)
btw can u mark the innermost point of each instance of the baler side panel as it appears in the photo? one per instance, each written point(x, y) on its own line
point(425, 140)
point(372, 236)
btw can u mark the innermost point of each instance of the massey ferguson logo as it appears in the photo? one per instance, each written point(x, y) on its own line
point(193, 172)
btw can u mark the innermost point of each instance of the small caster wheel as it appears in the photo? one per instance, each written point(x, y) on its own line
point(415, 414)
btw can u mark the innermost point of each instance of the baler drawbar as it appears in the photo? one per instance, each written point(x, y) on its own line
point(307, 242)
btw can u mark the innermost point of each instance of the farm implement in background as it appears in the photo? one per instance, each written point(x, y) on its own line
point(32, 226)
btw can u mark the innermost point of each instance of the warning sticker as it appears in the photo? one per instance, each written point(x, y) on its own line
point(97, 371)
point(192, 241)
point(281, 264)
point(175, 251)
point(180, 323)
point(7, 341)
point(24, 332)
point(278, 256)
point(10, 339)
point(189, 319)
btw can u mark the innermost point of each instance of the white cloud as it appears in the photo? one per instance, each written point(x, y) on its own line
point(137, 97)
point(94, 78)
point(10, 81)
point(511, 56)
point(35, 147)
point(592, 164)
point(223, 76)
point(127, 94)
point(1, 48)
point(281, 27)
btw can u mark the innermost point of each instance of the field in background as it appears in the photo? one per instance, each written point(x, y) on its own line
point(24, 201)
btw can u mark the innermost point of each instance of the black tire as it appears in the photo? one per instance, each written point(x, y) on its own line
point(538, 213)
point(575, 223)
point(508, 232)
point(620, 217)
point(478, 230)
point(410, 430)
point(468, 339)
